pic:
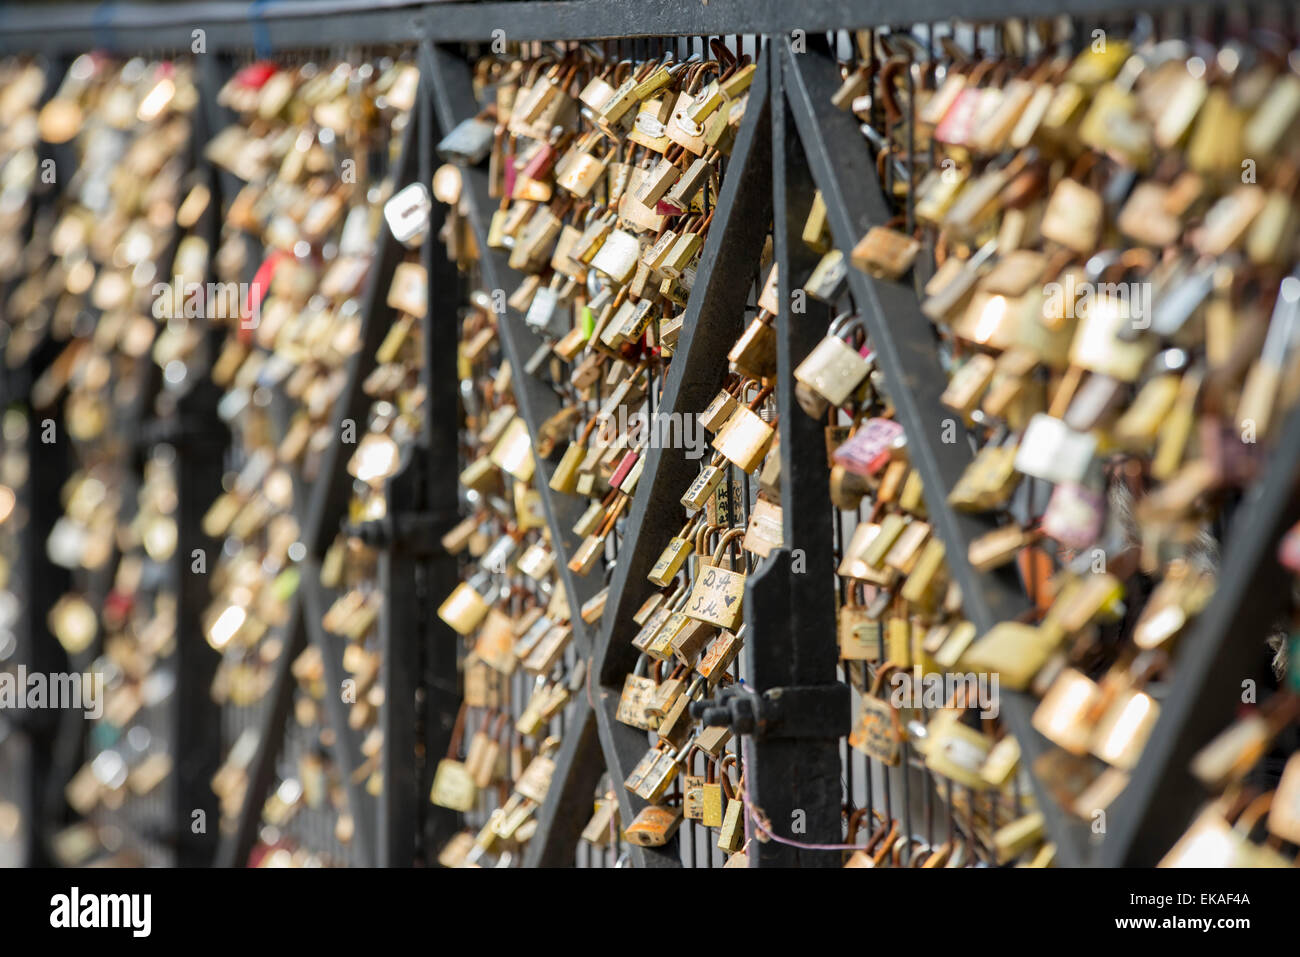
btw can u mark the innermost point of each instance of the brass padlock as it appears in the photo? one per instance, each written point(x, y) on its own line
point(719, 410)
point(718, 594)
point(465, 608)
point(654, 826)
point(745, 438)
point(705, 485)
point(878, 731)
point(754, 354)
point(674, 555)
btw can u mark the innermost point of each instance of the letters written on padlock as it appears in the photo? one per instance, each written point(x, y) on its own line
point(717, 597)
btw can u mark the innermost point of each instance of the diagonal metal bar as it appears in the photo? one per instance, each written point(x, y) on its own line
point(713, 320)
point(566, 810)
point(905, 343)
point(235, 847)
point(327, 505)
point(452, 90)
point(328, 500)
point(577, 765)
point(329, 495)
point(345, 743)
point(1222, 648)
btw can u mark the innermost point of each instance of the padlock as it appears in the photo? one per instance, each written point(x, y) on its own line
point(667, 692)
point(654, 826)
point(693, 785)
point(658, 776)
point(859, 634)
point(468, 143)
point(675, 728)
point(659, 617)
point(871, 446)
point(544, 315)
point(745, 438)
point(565, 477)
point(674, 555)
point(409, 291)
point(513, 452)
point(465, 608)
point(827, 279)
point(720, 408)
point(731, 832)
point(885, 253)
point(407, 214)
point(604, 819)
point(704, 486)
point(689, 184)
point(766, 529)
point(713, 799)
point(661, 178)
point(637, 691)
point(834, 369)
point(685, 248)
point(453, 785)
point(718, 594)
point(722, 652)
point(754, 354)
point(684, 639)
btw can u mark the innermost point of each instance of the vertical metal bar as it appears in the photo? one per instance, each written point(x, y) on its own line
point(904, 340)
point(789, 608)
point(200, 444)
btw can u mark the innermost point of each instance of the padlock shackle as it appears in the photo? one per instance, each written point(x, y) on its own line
point(763, 392)
point(888, 93)
point(728, 537)
point(702, 536)
point(855, 822)
point(457, 733)
point(687, 532)
point(728, 762)
point(881, 673)
point(724, 55)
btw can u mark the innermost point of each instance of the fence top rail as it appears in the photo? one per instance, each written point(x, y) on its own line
point(268, 26)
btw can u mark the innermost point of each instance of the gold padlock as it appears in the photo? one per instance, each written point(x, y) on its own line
point(674, 555)
point(464, 609)
point(654, 826)
point(718, 594)
point(745, 438)
point(754, 354)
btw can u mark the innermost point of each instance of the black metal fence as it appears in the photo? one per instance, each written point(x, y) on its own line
point(790, 145)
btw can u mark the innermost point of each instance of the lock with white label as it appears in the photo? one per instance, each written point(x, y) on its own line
point(407, 214)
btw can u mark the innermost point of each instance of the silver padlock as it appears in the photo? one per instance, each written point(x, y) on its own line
point(468, 143)
point(407, 214)
point(834, 369)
